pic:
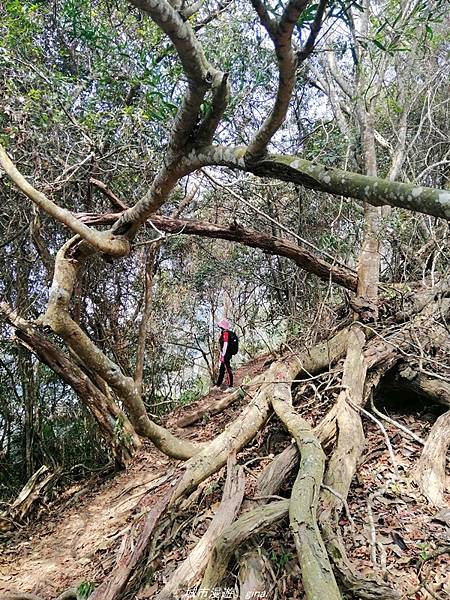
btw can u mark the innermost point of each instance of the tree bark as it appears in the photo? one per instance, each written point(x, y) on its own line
point(106, 412)
point(317, 574)
point(193, 566)
point(430, 470)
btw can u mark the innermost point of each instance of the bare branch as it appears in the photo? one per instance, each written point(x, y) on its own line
point(268, 23)
point(270, 244)
point(315, 28)
point(200, 74)
point(108, 193)
point(102, 241)
point(281, 35)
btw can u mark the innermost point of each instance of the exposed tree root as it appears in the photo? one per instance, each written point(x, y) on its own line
point(235, 437)
point(193, 566)
point(71, 594)
point(342, 466)
point(252, 582)
point(214, 406)
point(131, 551)
point(277, 472)
point(317, 574)
point(245, 427)
point(430, 469)
point(248, 525)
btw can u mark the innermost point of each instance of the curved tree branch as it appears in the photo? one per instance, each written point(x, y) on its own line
point(281, 35)
point(374, 190)
point(102, 241)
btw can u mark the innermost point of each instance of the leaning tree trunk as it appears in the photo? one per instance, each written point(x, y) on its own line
point(113, 423)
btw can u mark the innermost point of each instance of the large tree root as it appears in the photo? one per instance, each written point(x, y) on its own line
point(71, 594)
point(131, 551)
point(193, 566)
point(343, 463)
point(317, 574)
point(212, 406)
point(245, 427)
point(430, 469)
point(252, 583)
point(248, 525)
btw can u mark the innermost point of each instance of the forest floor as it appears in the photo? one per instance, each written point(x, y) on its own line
point(388, 527)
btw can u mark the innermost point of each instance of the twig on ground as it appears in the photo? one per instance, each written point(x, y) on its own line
point(380, 425)
point(396, 423)
point(373, 533)
point(346, 508)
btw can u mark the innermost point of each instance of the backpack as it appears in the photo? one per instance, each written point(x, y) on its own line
point(233, 343)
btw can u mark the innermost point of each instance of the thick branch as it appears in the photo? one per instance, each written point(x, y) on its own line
point(220, 99)
point(317, 574)
point(287, 65)
point(58, 318)
point(249, 237)
point(104, 410)
point(102, 241)
point(271, 244)
point(374, 190)
point(201, 76)
point(315, 29)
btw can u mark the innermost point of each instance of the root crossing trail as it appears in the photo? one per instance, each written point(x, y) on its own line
point(71, 543)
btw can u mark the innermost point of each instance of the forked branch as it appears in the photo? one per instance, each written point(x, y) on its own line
point(281, 35)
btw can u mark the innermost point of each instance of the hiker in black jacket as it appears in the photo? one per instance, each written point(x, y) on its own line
point(228, 348)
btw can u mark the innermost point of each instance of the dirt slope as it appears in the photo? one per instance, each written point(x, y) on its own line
point(77, 538)
point(73, 543)
point(66, 546)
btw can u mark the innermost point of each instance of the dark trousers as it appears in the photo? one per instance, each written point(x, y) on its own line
point(225, 367)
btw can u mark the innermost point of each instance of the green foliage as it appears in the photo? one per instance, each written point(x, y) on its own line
point(85, 589)
point(280, 559)
point(424, 553)
point(121, 437)
point(192, 394)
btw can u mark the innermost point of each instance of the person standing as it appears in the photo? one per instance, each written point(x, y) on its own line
point(228, 348)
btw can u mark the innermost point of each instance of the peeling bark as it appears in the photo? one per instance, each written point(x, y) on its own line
point(193, 566)
point(430, 471)
point(250, 524)
point(252, 583)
